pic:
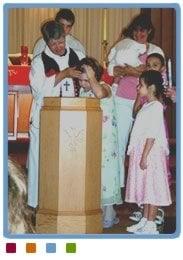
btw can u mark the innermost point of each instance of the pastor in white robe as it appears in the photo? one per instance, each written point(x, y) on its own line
point(42, 85)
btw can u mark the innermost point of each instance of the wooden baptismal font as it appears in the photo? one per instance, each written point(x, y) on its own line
point(70, 166)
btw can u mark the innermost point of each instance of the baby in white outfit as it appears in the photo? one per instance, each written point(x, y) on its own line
point(125, 52)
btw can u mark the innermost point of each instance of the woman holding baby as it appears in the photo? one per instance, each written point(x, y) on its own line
point(126, 68)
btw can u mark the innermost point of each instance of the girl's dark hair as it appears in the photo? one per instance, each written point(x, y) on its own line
point(66, 14)
point(153, 77)
point(141, 21)
point(52, 30)
point(157, 55)
point(92, 63)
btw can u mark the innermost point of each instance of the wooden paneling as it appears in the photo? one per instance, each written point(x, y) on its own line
point(12, 115)
point(165, 24)
point(170, 116)
point(19, 105)
point(164, 21)
point(24, 105)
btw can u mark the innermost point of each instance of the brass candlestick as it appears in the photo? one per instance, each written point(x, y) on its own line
point(104, 42)
point(104, 53)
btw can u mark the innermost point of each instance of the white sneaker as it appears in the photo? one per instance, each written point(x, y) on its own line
point(116, 220)
point(136, 216)
point(137, 226)
point(110, 223)
point(160, 217)
point(148, 229)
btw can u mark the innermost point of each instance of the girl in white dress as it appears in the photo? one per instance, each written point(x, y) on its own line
point(91, 86)
point(147, 182)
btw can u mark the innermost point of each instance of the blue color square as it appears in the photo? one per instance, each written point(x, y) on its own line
point(50, 248)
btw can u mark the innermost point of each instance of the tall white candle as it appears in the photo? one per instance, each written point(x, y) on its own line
point(169, 73)
point(105, 25)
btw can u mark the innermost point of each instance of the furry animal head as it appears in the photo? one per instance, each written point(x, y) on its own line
point(19, 215)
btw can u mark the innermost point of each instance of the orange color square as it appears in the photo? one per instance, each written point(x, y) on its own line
point(30, 247)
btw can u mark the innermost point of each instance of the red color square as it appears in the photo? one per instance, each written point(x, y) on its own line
point(10, 247)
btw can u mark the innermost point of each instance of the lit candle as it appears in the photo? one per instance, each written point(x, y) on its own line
point(169, 73)
point(105, 25)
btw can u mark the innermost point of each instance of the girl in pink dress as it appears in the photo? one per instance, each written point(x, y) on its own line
point(154, 61)
point(147, 182)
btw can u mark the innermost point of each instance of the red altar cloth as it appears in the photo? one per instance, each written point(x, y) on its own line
point(18, 75)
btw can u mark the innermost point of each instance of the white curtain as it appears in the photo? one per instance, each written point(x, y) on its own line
point(24, 27)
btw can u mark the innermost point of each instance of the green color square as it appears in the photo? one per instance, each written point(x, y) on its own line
point(70, 247)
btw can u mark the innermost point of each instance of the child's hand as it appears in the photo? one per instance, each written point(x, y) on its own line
point(133, 71)
point(119, 71)
point(170, 92)
point(89, 71)
point(143, 163)
point(141, 68)
point(117, 80)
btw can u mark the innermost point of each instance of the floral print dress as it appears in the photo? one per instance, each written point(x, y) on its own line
point(110, 173)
